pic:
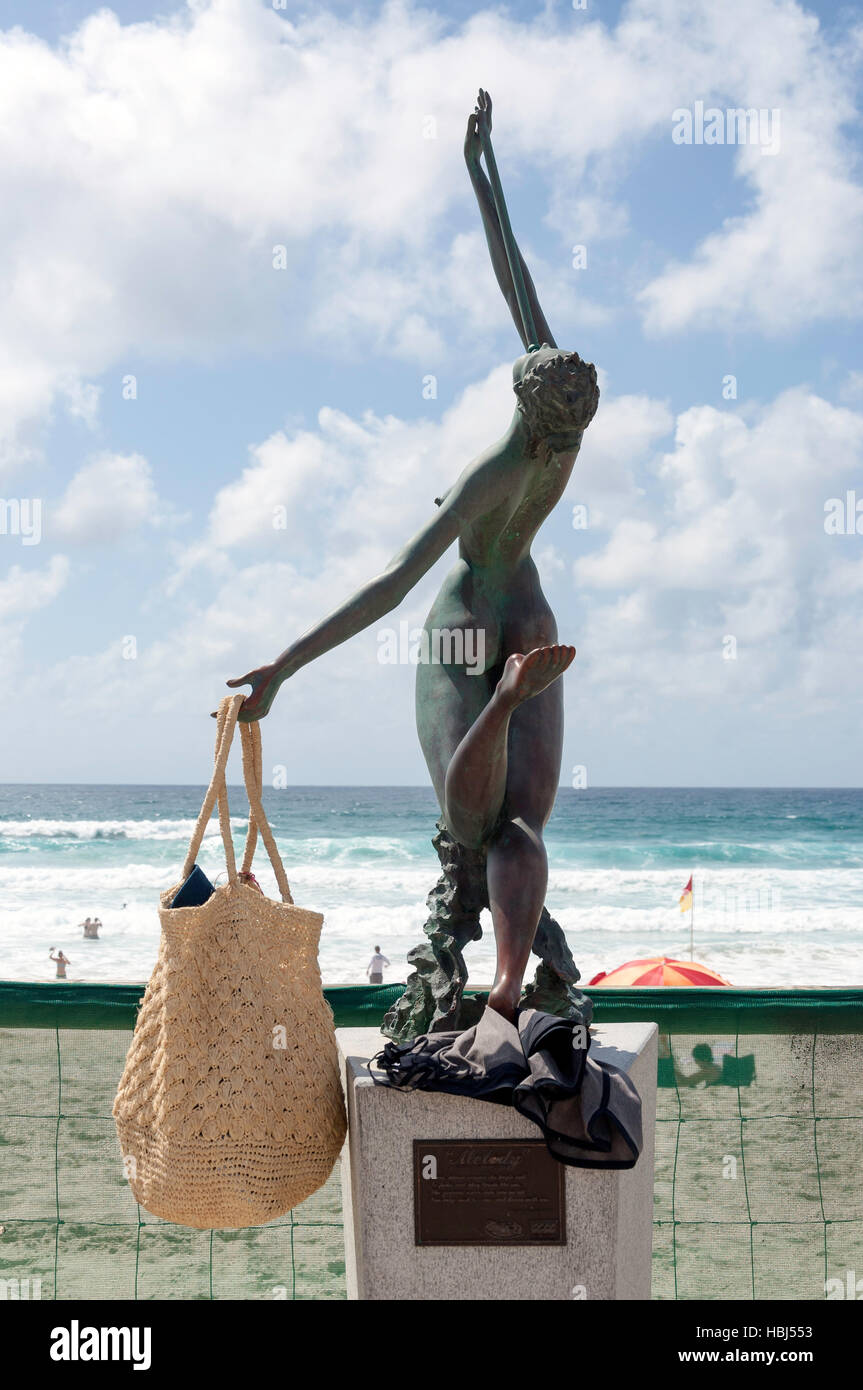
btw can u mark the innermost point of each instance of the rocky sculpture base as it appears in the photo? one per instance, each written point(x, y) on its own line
point(434, 1000)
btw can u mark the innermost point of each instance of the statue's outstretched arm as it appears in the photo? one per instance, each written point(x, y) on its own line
point(492, 228)
point(483, 485)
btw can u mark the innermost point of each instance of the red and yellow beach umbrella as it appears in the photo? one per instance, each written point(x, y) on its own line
point(660, 970)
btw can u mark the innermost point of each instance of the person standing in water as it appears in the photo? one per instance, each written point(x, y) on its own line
point(375, 967)
point(61, 962)
point(492, 739)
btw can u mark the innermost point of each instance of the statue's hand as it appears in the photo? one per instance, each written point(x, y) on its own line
point(473, 143)
point(482, 112)
point(265, 682)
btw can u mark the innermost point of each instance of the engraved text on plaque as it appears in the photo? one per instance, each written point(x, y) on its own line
point(487, 1192)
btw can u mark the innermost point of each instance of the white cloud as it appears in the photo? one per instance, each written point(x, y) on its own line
point(107, 498)
point(23, 592)
point(354, 490)
point(82, 400)
point(273, 495)
point(622, 434)
point(851, 389)
point(721, 534)
point(549, 561)
point(741, 502)
point(732, 543)
point(149, 169)
point(355, 484)
point(793, 257)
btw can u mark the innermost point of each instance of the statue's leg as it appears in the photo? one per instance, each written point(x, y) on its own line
point(520, 736)
point(477, 779)
point(434, 998)
point(449, 701)
point(468, 758)
point(517, 871)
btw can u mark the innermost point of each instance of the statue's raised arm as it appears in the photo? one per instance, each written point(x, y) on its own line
point(512, 274)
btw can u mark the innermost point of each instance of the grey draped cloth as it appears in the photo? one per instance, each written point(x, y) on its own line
point(589, 1111)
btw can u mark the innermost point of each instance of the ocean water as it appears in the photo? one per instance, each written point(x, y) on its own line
point(778, 876)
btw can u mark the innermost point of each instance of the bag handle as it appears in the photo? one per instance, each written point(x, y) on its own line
point(226, 723)
point(226, 719)
point(250, 735)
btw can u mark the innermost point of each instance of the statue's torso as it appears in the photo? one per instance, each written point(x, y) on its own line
point(494, 585)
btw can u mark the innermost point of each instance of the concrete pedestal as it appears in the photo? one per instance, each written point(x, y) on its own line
point(608, 1215)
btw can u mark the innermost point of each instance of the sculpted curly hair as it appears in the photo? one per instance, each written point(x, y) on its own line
point(558, 396)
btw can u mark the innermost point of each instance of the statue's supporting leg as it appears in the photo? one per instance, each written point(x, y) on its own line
point(433, 1000)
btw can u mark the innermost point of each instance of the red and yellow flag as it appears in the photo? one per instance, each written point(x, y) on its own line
point(686, 897)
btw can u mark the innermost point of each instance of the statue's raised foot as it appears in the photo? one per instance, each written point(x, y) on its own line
point(527, 675)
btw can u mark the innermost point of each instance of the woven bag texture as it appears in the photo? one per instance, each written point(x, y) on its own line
point(230, 1109)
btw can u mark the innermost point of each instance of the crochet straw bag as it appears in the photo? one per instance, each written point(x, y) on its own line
point(230, 1110)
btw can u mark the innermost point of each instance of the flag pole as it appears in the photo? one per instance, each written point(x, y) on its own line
point(692, 922)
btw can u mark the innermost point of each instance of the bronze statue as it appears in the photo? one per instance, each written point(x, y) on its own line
point(493, 740)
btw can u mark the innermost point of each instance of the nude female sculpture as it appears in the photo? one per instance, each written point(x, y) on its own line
point(492, 741)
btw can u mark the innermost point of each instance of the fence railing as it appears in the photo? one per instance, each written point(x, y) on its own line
point(758, 1190)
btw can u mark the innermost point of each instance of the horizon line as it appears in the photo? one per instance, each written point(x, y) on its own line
point(426, 786)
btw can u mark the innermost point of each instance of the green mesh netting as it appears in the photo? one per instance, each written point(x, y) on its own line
point(757, 1191)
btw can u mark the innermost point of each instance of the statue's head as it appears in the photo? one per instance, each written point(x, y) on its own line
point(557, 396)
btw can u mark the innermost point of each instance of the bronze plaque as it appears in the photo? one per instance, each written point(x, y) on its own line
point(487, 1192)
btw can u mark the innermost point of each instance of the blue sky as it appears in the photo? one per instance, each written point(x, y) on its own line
point(153, 157)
